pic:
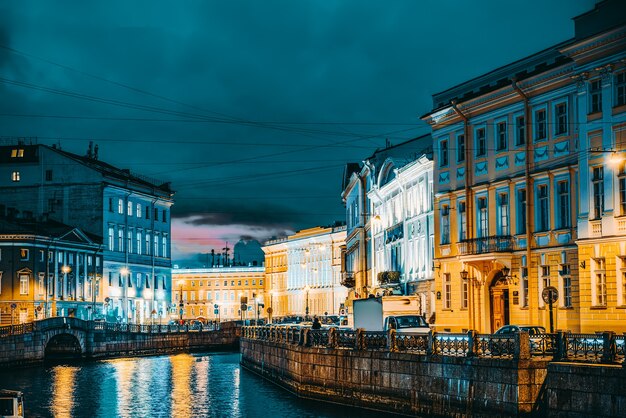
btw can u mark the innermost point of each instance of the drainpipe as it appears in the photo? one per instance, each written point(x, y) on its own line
point(529, 188)
point(469, 201)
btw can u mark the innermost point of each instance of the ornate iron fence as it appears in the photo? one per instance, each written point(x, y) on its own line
point(543, 345)
point(412, 342)
point(374, 340)
point(346, 338)
point(456, 345)
point(587, 347)
point(501, 346)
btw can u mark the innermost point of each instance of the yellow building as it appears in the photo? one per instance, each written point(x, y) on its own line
point(201, 290)
point(303, 272)
point(518, 185)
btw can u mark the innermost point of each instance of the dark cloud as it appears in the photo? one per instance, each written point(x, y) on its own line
point(224, 67)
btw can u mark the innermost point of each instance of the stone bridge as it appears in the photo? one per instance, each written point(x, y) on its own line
point(63, 338)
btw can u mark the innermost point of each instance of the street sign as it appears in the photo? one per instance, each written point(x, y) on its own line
point(550, 294)
point(216, 311)
point(13, 306)
point(107, 299)
point(270, 310)
point(216, 306)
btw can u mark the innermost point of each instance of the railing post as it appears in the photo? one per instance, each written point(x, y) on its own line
point(332, 338)
point(471, 343)
point(561, 346)
point(392, 344)
point(522, 346)
point(307, 337)
point(430, 344)
point(301, 339)
point(608, 347)
point(359, 341)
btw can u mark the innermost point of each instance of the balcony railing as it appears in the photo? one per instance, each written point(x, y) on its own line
point(348, 280)
point(495, 244)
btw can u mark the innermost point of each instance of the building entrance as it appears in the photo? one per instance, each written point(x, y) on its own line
point(499, 292)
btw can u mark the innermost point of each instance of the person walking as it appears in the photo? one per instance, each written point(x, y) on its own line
point(316, 323)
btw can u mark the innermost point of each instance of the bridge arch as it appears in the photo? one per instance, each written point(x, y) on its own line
point(64, 345)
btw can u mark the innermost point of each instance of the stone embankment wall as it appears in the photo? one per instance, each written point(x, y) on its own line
point(585, 390)
point(400, 382)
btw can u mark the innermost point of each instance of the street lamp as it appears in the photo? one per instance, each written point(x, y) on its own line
point(306, 310)
point(180, 300)
point(125, 272)
point(65, 270)
point(270, 311)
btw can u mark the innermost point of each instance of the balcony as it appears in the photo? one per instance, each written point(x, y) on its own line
point(348, 280)
point(495, 244)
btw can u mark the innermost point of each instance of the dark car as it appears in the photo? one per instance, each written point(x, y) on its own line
point(512, 329)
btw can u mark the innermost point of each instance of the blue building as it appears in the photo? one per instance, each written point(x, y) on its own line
point(128, 213)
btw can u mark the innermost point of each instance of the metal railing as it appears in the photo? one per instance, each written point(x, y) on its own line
point(76, 323)
point(606, 347)
point(494, 244)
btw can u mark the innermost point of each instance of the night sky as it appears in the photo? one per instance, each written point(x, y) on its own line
point(250, 108)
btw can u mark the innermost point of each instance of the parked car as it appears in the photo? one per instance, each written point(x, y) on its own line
point(512, 329)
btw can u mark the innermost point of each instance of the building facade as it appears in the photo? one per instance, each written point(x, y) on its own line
point(129, 214)
point(216, 293)
point(303, 272)
point(509, 188)
point(48, 268)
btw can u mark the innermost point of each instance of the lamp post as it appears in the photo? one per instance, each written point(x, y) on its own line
point(306, 310)
point(124, 272)
point(270, 311)
point(180, 300)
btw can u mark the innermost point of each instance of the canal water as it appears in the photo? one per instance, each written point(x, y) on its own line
point(183, 385)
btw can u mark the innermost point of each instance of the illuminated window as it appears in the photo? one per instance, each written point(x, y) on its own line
point(599, 278)
point(597, 180)
point(120, 206)
point(445, 224)
point(129, 209)
point(447, 291)
point(138, 210)
point(24, 279)
point(15, 176)
point(24, 254)
point(138, 241)
point(17, 153)
point(147, 247)
point(464, 293)
point(567, 285)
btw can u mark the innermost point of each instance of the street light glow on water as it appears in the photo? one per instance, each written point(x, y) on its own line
point(183, 385)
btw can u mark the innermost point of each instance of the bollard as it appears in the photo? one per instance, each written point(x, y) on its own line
point(471, 343)
point(609, 347)
point(332, 338)
point(522, 346)
point(560, 352)
point(359, 341)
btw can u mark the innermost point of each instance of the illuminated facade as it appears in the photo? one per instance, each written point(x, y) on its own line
point(303, 272)
point(202, 289)
point(32, 251)
point(402, 229)
point(129, 214)
point(512, 162)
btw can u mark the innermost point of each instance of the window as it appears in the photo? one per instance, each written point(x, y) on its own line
point(445, 224)
point(163, 247)
point(621, 176)
point(564, 208)
point(138, 241)
point(147, 284)
point(462, 221)
point(521, 211)
point(110, 278)
point(501, 137)
point(597, 179)
point(232, 282)
point(520, 130)
point(129, 241)
point(225, 282)
point(147, 247)
point(481, 144)
point(120, 206)
point(138, 210)
point(464, 294)
point(17, 153)
point(504, 214)
point(460, 148)
point(120, 239)
point(543, 221)
point(483, 221)
point(24, 254)
point(129, 208)
point(15, 176)
point(156, 246)
point(599, 275)
point(156, 214)
point(447, 291)
point(48, 175)
point(443, 153)
point(620, 89)
point(544, 272)
point(595, 96)
point(120, 280)
point(540, 125)
point(24, 278)
point(560, 119)
point(524, 275)
point(567, 285)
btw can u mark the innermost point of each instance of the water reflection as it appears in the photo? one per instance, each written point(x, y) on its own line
point(184, 385)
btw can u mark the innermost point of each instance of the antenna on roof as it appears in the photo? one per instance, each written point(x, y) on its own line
point(90, 150)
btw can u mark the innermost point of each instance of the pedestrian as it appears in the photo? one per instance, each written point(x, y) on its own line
point(316, 323)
